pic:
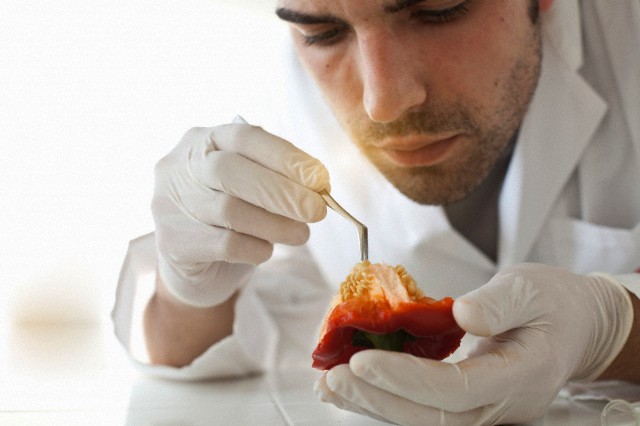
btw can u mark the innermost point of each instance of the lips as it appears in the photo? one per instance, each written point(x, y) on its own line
point(419, 151)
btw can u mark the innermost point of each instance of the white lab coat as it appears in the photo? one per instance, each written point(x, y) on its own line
point(571, 197)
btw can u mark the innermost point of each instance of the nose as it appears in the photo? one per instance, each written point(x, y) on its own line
point(391, 77)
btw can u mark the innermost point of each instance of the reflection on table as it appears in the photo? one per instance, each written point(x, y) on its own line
point(77, 376)
point(279, 398)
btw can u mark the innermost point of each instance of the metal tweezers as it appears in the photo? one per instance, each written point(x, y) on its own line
point(362, 230)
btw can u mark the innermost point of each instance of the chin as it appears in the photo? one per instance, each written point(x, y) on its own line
point(433, 197)
point(428, 188)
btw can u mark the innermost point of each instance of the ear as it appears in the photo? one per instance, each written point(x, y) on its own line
point(545, 5)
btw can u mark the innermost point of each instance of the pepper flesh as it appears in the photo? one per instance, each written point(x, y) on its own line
point(379, 306)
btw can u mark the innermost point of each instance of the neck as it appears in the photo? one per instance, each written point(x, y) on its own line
point(476, 216)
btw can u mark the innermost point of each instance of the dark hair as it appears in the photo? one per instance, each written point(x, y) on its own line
point(534, 10)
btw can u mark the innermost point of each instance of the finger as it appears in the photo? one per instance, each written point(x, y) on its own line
point(200, 203)
point(222, 210)
point(325, 394)
point(341, 381)
point(423, 381)
point(272, 152)
point(274, 174)
point(186, 241)
point(245, 179)
point(472, 383)
point(511, 299)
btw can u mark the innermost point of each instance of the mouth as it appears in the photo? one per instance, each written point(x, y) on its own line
point(416, 151)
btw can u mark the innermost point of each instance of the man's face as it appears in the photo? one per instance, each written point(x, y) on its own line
point(431, 91)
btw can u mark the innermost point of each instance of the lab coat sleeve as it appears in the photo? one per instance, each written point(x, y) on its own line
point(277, 316)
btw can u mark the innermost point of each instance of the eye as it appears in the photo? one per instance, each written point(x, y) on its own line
point(322, 35)
point(438, 16)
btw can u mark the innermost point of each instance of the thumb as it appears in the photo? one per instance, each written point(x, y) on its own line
point(508, 301)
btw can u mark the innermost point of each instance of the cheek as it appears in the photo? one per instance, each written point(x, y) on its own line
point(335, 74)
point(475, 66)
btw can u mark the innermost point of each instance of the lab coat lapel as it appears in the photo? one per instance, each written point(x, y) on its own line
point(625, 66)
point(564, 114)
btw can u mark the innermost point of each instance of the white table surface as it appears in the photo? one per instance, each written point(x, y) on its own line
point(77, 376)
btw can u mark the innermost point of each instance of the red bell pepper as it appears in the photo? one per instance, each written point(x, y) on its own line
point(380, 307)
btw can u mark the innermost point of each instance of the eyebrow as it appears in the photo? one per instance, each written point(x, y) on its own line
point(295, 17)
point(398, 5)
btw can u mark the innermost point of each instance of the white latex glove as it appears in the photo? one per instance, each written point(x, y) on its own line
point(222, 198)
point(542, 325)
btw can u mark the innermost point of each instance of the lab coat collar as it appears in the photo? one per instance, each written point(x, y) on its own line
point(562, 29)
point(561, 120)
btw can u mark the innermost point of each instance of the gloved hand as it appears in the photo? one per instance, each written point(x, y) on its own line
point(222, 198)
point(542, 326)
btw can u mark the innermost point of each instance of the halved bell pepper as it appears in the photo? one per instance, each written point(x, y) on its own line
point(381, 307)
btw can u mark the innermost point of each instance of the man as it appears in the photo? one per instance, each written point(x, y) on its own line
point(508, 136)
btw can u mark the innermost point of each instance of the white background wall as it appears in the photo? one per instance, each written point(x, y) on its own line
point(92, 94)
